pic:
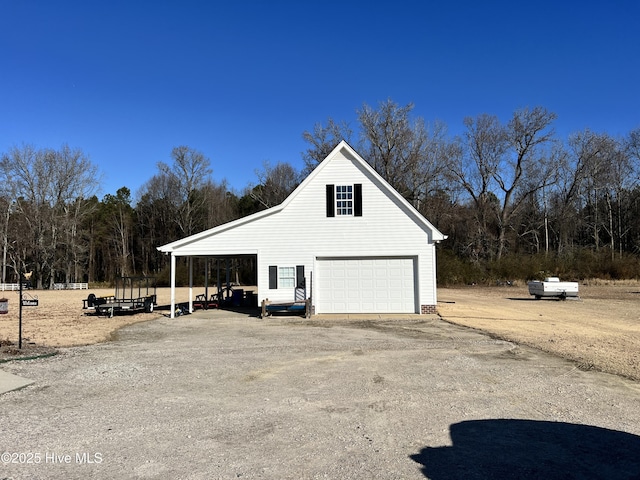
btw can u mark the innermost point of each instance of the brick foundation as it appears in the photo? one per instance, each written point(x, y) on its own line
point(428, 309)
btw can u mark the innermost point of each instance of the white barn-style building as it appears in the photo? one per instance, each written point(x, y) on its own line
point(344, 238)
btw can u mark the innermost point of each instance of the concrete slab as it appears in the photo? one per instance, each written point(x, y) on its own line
point(9, 382)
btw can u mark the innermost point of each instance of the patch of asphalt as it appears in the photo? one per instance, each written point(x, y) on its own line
point(223, 395)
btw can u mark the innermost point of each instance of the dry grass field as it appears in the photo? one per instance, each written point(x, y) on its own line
point(600, 331)
point(60, 321)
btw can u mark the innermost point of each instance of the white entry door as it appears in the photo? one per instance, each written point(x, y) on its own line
point(365, 285)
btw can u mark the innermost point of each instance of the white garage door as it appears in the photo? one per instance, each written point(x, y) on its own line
point(365, 285)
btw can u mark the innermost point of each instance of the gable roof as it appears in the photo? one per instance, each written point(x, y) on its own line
point(345, 149)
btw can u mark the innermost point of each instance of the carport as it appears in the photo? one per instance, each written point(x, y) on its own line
point(220, 265)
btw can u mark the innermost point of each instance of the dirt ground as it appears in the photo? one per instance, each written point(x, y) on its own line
point(600, 331)
point(223, 395)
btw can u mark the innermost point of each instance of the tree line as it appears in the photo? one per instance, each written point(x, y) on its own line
point(513, 197)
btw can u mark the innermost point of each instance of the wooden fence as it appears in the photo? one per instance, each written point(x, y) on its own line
point(70, 286)
point(56, 286)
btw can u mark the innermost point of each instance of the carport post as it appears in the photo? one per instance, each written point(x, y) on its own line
point(173, 285)
point(190, 284)
point(226, 264)
point(218, 279)
point(206, 281)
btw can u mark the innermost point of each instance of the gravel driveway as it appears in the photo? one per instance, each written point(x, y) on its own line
point(223, 395)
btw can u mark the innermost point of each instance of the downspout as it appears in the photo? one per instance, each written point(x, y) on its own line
point(435, 276)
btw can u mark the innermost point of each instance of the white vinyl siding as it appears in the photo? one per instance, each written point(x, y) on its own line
point(301, 232)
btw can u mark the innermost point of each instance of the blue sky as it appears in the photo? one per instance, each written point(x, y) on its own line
point(126, 81)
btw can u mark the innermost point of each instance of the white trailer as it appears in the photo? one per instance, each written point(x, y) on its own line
point(552, 287)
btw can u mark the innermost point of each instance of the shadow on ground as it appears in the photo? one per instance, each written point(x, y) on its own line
point(528, 449)
point(544, 299)
point(184, 309)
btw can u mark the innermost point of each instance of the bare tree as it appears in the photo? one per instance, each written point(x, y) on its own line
point(632, 144)
point(119, 215)
point(409, 154)
point(425, 175)
point(156, 213)
point(188, 173)
point(541, 183)
point(475, 168)
point(501, 167)
point(44, 183)
point(323, 140)
point(275, 183)
point(221, 205)
point(570, 196)
point(75, 181)
point(611, 178)
point(389, 142)
point(596, 153)
point(7, 207)
point(526, 168)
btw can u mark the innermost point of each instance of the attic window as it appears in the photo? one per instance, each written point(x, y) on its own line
point(344, 200)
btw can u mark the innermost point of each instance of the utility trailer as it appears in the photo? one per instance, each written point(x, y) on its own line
point(552, 287)
point(132, 295)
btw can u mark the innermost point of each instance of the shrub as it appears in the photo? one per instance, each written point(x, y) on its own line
point(572, 266)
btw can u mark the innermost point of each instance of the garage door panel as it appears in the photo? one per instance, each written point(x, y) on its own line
point(353, 295)
point(380, 272)
point(366, 285)
point(340, 294)
point(367, 295)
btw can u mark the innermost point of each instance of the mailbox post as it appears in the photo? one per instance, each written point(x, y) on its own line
point(20, 316)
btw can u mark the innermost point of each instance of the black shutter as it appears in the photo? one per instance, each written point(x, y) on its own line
point(300, 276)
point(331, 201)
point(273, 277)
point(357, 200)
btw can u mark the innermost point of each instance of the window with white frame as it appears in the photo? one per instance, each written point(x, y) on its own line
point(344, 199)
point(286, 277)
